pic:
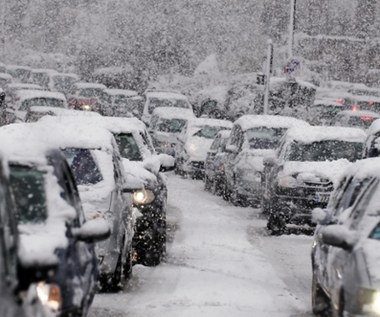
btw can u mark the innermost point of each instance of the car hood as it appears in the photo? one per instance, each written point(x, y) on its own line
point(254, 159)
point(314, 171)
point(136, 175)
point(197, 148)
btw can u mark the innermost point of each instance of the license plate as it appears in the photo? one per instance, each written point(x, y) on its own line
point(322, 197)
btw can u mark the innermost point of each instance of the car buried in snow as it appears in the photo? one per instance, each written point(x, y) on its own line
point(253, 138)
point(88, 97)
point(305, 171)
point(215, 164)
point(121, 104)
point(193, 143)
point(53, 228)
point(165, 126)
point(94, 159)
point(344, 254)
point(19, 73)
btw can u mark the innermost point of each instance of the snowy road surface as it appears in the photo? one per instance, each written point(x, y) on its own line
point(220, 262)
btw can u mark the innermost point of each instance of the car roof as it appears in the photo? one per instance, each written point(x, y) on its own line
point(197, 122)
point(319, 133)
point(20, 86)
point(14, 67)
point(83, 85)
point(71, 75)
point(31, 94)
point(374, 127)
point(123, 92)
point(165, 95)
point(273, 121)
point(44, 70)
point(173, 113)
point(55, 111)
point(359, 113)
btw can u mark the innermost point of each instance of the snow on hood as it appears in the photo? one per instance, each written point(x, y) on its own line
point(312, 171)
point(198, 147)
point(39, 242)
point(136, 175)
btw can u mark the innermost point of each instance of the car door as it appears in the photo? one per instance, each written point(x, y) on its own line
point(236, 140)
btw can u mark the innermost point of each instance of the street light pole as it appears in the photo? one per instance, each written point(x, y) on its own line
point(268, 73)
point(292, 25)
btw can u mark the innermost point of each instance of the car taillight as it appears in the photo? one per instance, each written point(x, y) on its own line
point(366, 118)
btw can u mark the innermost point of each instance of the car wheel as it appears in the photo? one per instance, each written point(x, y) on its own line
point(155, 250)
point(319, 300)
point(112, 282)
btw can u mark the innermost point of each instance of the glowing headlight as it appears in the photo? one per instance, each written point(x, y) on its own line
point(287, 181)
point(86, 107)
point(375, 306)
point(143, 196)
point(192, 148)
point(49, 295)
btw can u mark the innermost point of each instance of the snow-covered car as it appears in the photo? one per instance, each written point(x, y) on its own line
point(215, 163)
point(36, 113)
point(193, 143)
point(93, 156)
point(88, 97)
point(306, 170)
point(143, 178)
point(165, 126)
point(356, 119)
point(19, 73)
point(19, 298)
point(53, 228)
point(344, 253)
point(120, 103)
point(155, 99)
point(62, 82)
point(42, 77)
point(253, 138)
point(372, 143)
point(25, 99)
point(5, 80)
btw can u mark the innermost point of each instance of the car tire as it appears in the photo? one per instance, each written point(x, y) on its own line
point(111, 283)
point(156, 249)
point(319, 301)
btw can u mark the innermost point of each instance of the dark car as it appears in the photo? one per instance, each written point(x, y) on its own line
point(52, 225)
point(214, 164)
point(344, 254)
point(309, 162)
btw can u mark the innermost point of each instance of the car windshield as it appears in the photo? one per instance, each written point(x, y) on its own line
point(361, 122)
point(91, 93)
point(42, 102)
point(128, 147)
point(170, 125)
point(28, 186)
point(158, 102)
point(328, 150)
point(64, 83)
point(208, 132)
point(41, 79)
point(83, 165)
point(264, 138)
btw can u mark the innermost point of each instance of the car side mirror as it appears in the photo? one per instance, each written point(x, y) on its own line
point(167, 162)
point(231, 149)
point(269, 161)
point(339, 236)
point(93, 230)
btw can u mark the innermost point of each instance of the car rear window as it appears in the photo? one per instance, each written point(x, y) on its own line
point(28, 186)
point(128, 147)
point(42, 102)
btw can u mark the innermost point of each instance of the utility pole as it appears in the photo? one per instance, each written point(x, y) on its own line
point(292, 26)
point(268, 73)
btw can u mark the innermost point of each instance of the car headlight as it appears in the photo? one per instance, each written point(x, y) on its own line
point(49, 295)
point(86, 107)
point(192, 148)
point(143, 196)
point(287, 181)
point(369, 300)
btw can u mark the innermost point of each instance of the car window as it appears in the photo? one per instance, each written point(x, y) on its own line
point(83, 165)
point(170, 125)
point(361, 122)
point(147, 141)
point(41, 102)
point(264, 138)
point(208, 132)
point(128, 147)
point(28, 186)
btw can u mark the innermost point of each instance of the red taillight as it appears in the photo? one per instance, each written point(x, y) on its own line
point(366, 118)
point(339, 101)
point(354, 107)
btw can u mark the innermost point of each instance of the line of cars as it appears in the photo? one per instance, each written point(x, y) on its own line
point(91, 201)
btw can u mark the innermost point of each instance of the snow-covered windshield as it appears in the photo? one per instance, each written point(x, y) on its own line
point(328, 150)
point(64, 83)
point(28, 186)
point(156, 102)
point(93, 93)
point(208, 132)
point(128, 147)
point(42, 102)
point(40, 79)
point(264, 138)
point(83, 165)
point(170, 125)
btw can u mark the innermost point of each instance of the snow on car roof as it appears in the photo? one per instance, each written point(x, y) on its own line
point(6, 76)
point(20, 86)
point(173, 113)
point(165, 95)
point(71, 75)
point(319, 133)
point(123, 92)
point(15, 67)
point(224, 134)
point(199, 122)
point(55, 111)
point(217, 93)
point(362, 169)
point(359, 113)
point(31, 94)
point(44, 70)
point(83, 85)
point(252, 121)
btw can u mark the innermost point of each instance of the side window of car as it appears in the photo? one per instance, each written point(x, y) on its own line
point(215, 144)
point(147, 141)
point(348, 195)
